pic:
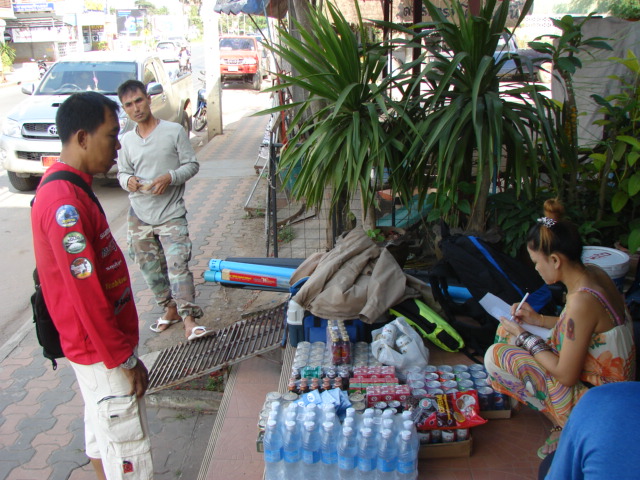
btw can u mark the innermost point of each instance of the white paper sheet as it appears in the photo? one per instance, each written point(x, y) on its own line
point(496, 307)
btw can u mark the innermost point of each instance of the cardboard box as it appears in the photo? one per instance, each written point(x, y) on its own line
point(495, 414)
point(446, 450)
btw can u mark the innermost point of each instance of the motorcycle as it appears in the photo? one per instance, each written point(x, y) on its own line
point(42, 66)
point(200, 117)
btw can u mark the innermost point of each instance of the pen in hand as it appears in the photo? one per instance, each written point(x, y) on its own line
point(513, 317)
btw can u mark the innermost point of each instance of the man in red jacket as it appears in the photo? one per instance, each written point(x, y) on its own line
point(87, 289)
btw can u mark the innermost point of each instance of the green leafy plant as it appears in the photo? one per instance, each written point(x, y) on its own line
point(469, 131)
point(625, 9)
point(286, 234)
point(342, 131)
point(560, 119)
point(376, 235)
point(617, 165)
point(8, 55)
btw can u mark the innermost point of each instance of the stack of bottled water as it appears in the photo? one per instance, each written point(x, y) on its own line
point(308, 441)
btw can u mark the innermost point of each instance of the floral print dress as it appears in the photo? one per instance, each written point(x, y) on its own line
point(610, 358)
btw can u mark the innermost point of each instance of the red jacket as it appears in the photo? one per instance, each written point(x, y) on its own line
point(83, 273)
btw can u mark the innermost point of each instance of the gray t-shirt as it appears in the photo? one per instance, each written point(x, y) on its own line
point(167, 149)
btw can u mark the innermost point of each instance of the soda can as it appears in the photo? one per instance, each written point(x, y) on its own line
point(435, 391)
point(380, 405)
point(433, 384)
point(418, 392)
point(356, 398)
point(447, 376)
point(476, 367)
point(436, 436)
point(462, 434)
point(290, 397)
point(448, 436)
point(464, 385)
point(359, 407)
point(430, 369)
point(424, 437)
point(429, 376)
point(448, 385)
point(273, 396)
point(445, 368)
point(481, 382)
point(485, 397)
point(460, 368)
point(498, 401)
point(463, 376)
point(417, 384)
point(478, 375)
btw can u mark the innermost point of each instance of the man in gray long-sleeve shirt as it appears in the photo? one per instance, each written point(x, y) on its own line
point(155, 162)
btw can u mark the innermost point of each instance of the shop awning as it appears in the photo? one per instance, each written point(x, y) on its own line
point(272, 8)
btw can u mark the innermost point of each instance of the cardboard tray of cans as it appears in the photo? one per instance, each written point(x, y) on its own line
point(446, 450)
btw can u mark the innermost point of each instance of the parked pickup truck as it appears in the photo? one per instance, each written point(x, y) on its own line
point(242, 59)
point(29, 143)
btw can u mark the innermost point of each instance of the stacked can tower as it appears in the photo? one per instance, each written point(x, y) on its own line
point(441, 379)
point(314, 365)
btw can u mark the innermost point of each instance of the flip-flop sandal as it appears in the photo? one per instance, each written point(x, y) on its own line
point(549, 441)
point(160, 322)
point(194, 332)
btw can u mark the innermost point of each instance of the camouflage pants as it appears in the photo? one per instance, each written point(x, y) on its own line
point(163, 252)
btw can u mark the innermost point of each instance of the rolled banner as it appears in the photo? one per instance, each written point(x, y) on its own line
point(216, 265)
point(245, 278)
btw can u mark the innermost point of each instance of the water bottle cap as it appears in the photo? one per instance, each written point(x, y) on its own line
point(367, 422)
point(405, 434)
point(407, 424)
point(387, 413)
point(386, 433)
point(387, 423)
point(290, 425)
point(327, 425)
point(369, 412)
point(272, 424)
point(406, 415)
point(349, 421)
point(309, 426)
point(347, 431)
point(330, 415)
point(366, 432)
point(351, 411)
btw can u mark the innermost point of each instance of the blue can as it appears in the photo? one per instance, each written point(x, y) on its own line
point(485, 398)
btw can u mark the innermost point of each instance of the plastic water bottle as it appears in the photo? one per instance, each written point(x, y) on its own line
point(407, 465)
point(387, 455)
point(329, 449)
point(292, 453)
point(367, 451)
point(311, 453)
point(347, 454)
point(273, 450)
point(411, 427)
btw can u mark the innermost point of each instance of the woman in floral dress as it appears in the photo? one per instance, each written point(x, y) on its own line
point(591, 342)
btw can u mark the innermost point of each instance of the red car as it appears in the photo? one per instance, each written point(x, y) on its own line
point(241, 59)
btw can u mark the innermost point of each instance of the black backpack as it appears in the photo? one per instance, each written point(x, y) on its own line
point(46, 331)
point(474, 264)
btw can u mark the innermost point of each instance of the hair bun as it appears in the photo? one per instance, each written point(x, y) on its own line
point(553, 209)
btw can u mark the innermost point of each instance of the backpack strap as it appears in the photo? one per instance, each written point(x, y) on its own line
point(72, 178)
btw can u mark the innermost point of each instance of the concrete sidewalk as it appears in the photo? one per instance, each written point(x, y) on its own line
point(22, 73)
point(41, 427)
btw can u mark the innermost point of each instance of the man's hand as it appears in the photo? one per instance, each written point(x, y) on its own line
point(133, 184)
point(160, 184)
point(139, 378)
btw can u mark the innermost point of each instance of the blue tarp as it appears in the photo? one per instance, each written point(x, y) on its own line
point(270, 8)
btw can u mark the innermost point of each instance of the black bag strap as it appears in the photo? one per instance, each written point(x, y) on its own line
point(73, 178)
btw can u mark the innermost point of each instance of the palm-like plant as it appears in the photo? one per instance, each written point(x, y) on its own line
point(345, 132)
point(471, 129)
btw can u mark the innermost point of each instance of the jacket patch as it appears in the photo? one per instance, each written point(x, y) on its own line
point(81, 268)
point(67, 216)
point(74, 242)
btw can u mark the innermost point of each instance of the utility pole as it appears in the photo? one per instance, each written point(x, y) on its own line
point(211, 20)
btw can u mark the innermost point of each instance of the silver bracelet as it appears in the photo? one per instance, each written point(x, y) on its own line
point(522, 337)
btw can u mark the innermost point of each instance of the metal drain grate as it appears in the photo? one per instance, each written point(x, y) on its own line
point(259, 333)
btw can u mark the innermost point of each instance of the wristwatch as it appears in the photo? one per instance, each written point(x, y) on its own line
point(130, 362)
